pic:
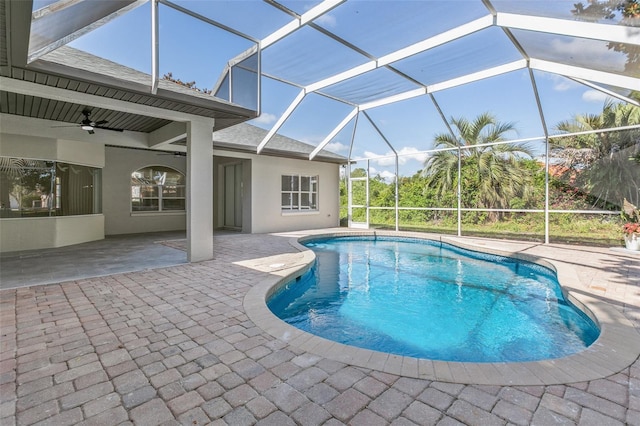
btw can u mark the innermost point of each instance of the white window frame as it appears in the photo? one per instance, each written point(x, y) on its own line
point(160, 197)
point(312, 194)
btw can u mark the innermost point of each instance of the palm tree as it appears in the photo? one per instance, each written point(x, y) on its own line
point(604, 162)
point(492, 174)
point(581, 150)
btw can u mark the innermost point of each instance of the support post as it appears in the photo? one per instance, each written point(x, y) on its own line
point(199, 190)
point(155, 47)
point(397, 200)
point(459, 192)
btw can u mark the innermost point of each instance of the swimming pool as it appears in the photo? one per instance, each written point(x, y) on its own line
point(431, 300)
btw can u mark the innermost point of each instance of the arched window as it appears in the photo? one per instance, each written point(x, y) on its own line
point(157, 189)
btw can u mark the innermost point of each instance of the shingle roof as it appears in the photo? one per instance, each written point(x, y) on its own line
point(246, 137)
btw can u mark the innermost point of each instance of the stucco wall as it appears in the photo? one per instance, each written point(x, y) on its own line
point(41, 148)
point(267, 186)
point(261, 194)
point(265, 192)
point(18, 234)
point(49, 232)
point(116, 192)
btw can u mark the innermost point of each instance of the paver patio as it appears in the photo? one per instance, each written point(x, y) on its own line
point(175, 346)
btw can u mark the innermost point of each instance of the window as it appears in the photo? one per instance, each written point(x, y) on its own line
point(38, 188)
point(299, 193)
point(157, 189)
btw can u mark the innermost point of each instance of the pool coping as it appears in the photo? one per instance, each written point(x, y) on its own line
point(617, 347)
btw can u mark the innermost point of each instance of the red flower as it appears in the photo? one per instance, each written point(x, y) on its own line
point(631, 228)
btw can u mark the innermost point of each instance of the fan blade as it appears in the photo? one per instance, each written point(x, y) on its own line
point(109, 128)
point(91, 132)
point(67, 125)
point(174, 154)
point(100, 123)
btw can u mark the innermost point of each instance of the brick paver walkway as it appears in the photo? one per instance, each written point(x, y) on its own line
point(174, 346)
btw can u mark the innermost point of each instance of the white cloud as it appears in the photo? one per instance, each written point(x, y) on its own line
point(336, 147)
point(560, 85)
point(265, 118)
point(594, 96)
point(382, 161)
point(410, 153)
point(388, 176)
point(404, 155)
point(327, 21)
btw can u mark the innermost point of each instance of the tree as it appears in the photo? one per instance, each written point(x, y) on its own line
point(604, 163)
point(608, 9)
point(188, 84)
point(492, 175)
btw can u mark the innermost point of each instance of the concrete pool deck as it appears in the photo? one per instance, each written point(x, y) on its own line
point(184, 345)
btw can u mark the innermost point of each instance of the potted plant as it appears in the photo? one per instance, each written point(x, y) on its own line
point(631, 229)
point(631, 235)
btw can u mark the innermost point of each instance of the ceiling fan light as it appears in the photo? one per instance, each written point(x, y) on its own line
point(86, 127)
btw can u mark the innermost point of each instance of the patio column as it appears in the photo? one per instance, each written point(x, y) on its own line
point(199, 190)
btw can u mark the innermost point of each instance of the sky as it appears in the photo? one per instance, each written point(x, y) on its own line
point(193, 50)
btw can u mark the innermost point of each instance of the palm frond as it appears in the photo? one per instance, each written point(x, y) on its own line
point(17, 167)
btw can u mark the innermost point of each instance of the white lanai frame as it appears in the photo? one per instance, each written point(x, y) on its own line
point(506, 21)
point(155, 46)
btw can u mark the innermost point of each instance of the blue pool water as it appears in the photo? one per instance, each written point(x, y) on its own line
point(431, 300)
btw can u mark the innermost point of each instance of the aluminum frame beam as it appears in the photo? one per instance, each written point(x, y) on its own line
point(281, 120)
point(302, 20)
point(606, 91)
point(414, 49)
point(333, 133)
point(566, 27)
point(586, 74)
point(90, 26)
point(458, 81)
point(480, 75)
point(397, 169)
point(207, 20)
point(438, 40)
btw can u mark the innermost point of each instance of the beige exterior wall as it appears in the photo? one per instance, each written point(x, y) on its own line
point(116, 193)
point(17, 234)
point(265, 193)
point(49, 232)
point(267, 186)
point(41, 148)
point(261, 192)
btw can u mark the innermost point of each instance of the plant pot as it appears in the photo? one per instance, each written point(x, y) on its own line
point(632, 242)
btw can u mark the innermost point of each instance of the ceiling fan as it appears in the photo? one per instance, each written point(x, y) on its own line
point(89, 125)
